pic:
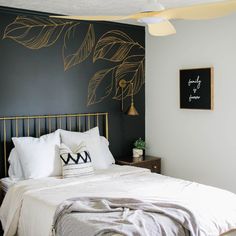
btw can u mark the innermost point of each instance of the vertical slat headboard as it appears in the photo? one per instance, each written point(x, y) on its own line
point(35, 126)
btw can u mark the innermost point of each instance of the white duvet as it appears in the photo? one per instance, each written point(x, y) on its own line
point(29, 206)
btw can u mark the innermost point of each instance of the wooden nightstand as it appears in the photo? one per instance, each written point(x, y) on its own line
point(149, 162)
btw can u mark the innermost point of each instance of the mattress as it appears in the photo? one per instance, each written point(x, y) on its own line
point(214, 209)
point(7, 182)
point(42, 196)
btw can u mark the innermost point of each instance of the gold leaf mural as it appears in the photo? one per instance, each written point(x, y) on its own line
point(131, 70)
point(114, 46)
point(35, 32)
point(73, 57)
point(100, 85)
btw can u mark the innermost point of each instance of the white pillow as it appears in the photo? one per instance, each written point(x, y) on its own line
point(106, 151)
point(75, 163)
point(92, 141)
point(15, 171)
point(39, 157)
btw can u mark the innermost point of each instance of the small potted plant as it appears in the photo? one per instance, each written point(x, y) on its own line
point(139, 146)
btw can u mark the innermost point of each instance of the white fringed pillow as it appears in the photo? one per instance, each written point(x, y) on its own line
point(15, 171)
point(76, 162)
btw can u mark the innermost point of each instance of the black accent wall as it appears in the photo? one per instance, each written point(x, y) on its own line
point(50, 66)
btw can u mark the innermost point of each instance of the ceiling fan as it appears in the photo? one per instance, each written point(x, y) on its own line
point(157, 18)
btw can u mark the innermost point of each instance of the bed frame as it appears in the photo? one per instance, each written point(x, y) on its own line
point(35, 126)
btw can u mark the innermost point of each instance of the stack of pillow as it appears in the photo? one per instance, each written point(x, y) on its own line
point(61, 153)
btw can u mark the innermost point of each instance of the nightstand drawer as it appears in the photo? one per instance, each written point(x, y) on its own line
point(151, 163)
point(154, 166)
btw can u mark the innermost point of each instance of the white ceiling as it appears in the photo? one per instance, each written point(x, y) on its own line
point(92, 7)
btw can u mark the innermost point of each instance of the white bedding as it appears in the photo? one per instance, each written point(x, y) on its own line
point(214, 209)
point(7, 183)
point(41, 197)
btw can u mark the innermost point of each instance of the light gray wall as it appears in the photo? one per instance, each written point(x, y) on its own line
point(195, 145)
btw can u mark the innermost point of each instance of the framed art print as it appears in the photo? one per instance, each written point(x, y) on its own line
point(196, 88)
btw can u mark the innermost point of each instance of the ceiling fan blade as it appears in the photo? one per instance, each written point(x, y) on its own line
point(93, 18)
point(200, 12)
point(163, 28)
point(134, 16)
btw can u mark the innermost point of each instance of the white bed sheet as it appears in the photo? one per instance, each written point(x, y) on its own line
point(8, 182)
point(41, 197)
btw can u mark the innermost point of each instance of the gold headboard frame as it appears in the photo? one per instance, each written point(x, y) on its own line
point(11, 126)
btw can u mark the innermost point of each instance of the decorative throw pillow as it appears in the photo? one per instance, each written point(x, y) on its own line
point(93, 143)
point(76, 162)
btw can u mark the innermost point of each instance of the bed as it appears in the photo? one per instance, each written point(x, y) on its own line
point(117, 200)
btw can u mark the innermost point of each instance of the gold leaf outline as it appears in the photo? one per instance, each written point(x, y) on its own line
point(37, 22)
point(98, 54)
point(89, 42)
point(94, 83)
point(138, 81)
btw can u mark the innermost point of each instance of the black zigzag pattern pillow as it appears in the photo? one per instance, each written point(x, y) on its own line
point(75, 164)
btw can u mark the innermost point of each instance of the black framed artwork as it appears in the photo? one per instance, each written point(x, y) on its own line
point(196, 88)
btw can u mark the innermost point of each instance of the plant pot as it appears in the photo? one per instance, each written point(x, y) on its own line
point(137, 154)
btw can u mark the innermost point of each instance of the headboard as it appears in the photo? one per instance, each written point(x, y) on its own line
point(35, 126)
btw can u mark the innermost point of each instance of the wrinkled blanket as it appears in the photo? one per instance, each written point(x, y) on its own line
point(123, 216)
